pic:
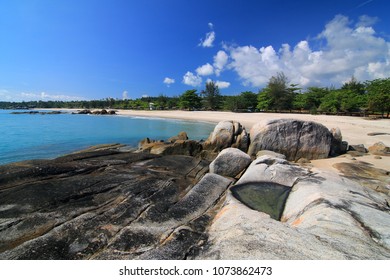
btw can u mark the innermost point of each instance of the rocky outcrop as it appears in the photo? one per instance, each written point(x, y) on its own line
point(227, 134)
point(338, 146)
point(293, 138)
point(181, 136)
point(379, 149)
point(96, 112)
point(325, 217)
point(230, 162)
point(178, 147)
point(106, 204)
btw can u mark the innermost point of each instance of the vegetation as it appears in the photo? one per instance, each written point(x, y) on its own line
point(352, 98)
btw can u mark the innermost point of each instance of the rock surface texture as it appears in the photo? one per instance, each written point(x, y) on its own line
point(160, 202)
point(230, 162)
point(228, 134)
point(293, 138)
point(106, 205)
point(325, 217)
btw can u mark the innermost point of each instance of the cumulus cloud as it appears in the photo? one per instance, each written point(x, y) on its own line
point(220, 60)
point(222, 84)
point(208, 41)
point(205, 70)
point(346, 51)
point(192, 80)
point(168, 81)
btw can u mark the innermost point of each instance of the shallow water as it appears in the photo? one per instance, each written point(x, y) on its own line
point(25, 136)
point(265, 197)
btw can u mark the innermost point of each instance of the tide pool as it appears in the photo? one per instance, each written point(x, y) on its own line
point(25, 136)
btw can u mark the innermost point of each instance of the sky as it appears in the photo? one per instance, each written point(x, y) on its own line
point(84, 49)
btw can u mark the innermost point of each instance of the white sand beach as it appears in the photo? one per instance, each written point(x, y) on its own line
point(355, 130)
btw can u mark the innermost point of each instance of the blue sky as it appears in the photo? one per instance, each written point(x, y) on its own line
point(81, 49)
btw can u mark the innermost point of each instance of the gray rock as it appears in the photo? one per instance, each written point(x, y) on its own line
point(338, 146)
point(269, 153)
point(230, 162)
point(227, 134)
point(106, 204)
point(325, 217)
point(358, 148)
point(293, 138)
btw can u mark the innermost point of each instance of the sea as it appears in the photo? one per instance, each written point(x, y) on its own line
point(38, 136)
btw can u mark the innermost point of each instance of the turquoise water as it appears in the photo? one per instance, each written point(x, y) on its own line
point(25, 136)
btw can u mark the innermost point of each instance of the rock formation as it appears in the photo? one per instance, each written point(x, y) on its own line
point(293, 138)
point(227, 134)
point(106, 204)
point(230, 162)
point(325, 217)
point(160, 202)
point(379, 149)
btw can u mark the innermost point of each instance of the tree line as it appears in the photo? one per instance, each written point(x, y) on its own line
point(353, 97)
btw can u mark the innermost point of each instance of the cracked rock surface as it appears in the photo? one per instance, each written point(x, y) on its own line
point(106, 204)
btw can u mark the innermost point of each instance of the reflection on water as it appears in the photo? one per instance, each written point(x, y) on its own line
point(265, 197)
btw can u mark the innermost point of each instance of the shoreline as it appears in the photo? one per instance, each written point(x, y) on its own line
point(353, 129)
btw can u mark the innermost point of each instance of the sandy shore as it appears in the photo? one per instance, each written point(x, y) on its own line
point(354, 130)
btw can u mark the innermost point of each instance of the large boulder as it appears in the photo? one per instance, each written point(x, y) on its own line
point(230, 162)
point(293, 138)
point(227, 134)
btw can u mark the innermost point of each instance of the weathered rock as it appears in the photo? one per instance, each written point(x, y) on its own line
point(179, 147)
point(181, 136)
point(350, 218)
point(106, 204)
point(358, 148)
point(293, 138)
point(365, 174)
point(269, 153)
point(379, 149)
point(227, 134)
point(325, 217)
point(230, 162)
point(338, 146)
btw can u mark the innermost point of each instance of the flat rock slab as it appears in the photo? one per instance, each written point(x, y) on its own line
point(106, 204)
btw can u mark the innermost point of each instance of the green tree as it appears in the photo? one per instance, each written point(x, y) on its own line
point(211, 96)
point(379, 95)
point(190, 100)
point(277, 95)
point(354, 86)
point(248, 100)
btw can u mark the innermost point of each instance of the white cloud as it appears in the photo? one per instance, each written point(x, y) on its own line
point(220, 84)
point(220, 60)
point(347, 51)
point(209, 38)
point(125, 95)
point(205, 70)
point(190, 79)
point(168, 81)
point(31, 96)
